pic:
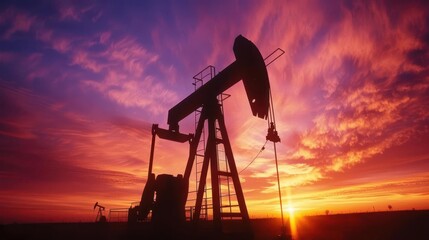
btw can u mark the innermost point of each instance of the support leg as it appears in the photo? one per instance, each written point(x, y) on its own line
point(214, 175)
point(233, 168)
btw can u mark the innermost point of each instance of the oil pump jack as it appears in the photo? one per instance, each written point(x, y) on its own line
point(171, 192)
point(100, 217)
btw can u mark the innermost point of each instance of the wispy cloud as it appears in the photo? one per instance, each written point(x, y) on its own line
point(17, 21)
point(346, 67)
point(124, 76)
point(52, 150)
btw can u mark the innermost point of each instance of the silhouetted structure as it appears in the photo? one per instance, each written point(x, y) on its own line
point(100, 217)
point(171, 192)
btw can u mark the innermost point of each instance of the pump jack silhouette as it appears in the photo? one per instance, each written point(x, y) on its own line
point(100, 217)
point(168, 208)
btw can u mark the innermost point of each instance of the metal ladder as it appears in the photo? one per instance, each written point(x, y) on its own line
point(203, 76)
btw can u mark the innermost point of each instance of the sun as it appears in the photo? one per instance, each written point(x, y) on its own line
point(291, 210)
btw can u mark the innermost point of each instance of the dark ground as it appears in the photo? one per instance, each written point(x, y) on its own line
point(381, 225)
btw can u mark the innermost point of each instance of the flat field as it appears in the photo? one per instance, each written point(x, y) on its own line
point(377, 225)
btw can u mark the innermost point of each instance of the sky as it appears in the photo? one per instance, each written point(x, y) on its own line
point(81, 83)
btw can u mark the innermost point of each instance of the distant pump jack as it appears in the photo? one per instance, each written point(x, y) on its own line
point(100, 217)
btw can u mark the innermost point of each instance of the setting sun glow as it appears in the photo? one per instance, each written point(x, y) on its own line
point(291, 210)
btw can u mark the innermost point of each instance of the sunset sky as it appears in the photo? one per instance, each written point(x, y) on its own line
point(81, 83)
